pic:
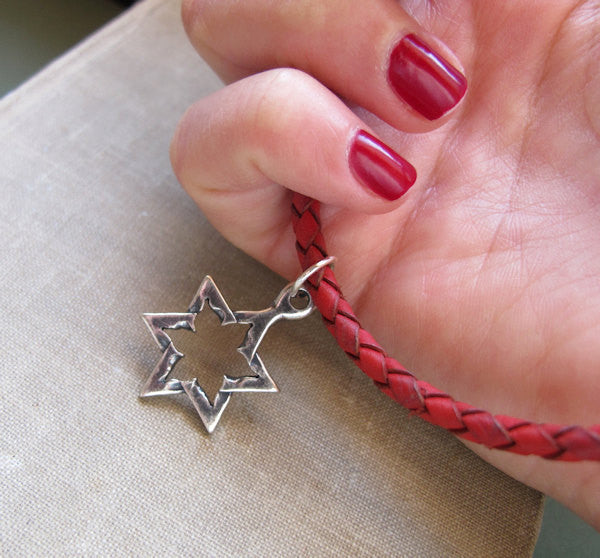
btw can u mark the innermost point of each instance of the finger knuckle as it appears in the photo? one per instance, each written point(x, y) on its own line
point(196, 15)
point(278, 95)
point(179, 150)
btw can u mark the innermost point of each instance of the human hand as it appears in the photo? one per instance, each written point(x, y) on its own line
point(488, 267)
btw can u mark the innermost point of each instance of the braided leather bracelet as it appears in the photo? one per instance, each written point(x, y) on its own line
point(550, 441)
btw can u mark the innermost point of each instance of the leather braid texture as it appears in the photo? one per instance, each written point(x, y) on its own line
point(550, 441)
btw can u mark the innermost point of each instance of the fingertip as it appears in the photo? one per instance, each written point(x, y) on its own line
point(423, 78)
point(379, 168)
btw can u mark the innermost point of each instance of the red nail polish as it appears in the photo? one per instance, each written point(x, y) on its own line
point(424, 79)
point(379, 168)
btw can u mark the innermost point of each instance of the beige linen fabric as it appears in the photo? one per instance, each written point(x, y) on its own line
point(95, 231)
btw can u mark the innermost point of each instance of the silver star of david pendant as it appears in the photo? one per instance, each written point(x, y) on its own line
point(260, 321)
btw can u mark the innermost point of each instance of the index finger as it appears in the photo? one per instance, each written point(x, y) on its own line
point(371, 53)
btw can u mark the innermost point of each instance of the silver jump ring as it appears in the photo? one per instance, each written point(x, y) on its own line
point(297, 284)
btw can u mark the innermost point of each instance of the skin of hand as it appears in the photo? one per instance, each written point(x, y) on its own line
point(484, 278)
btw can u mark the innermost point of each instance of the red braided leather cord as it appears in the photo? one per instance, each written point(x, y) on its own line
point(551, 441)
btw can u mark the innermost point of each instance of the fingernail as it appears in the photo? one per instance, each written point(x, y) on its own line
point(424, 79)
point(379, 168)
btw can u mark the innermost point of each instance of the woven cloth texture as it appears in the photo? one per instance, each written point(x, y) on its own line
point(95, 231)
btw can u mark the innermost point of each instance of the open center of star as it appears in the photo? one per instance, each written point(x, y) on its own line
point(210, 352)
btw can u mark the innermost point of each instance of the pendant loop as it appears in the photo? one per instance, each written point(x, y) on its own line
point(303, 277)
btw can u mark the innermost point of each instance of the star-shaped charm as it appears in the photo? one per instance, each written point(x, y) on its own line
point(159, 382)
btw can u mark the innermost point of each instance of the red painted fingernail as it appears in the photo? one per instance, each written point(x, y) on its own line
point(424, 79)
point(379, 168)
